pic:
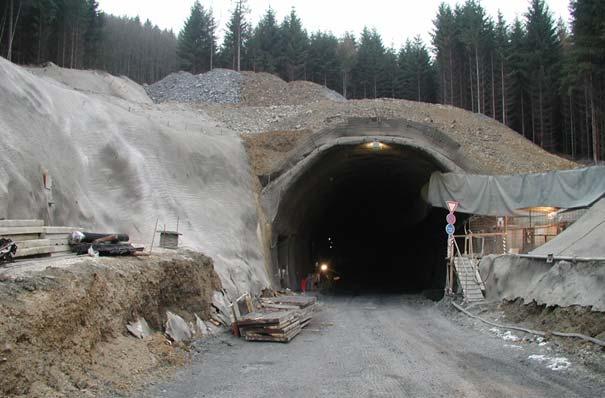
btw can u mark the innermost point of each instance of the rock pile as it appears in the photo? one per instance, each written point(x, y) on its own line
point(219, 86)
point(224, 86)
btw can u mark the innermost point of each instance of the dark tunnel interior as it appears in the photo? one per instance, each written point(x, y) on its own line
point(359, 211)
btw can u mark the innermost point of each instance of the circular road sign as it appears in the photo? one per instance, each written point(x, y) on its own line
point(450, 229)
point(450, 218)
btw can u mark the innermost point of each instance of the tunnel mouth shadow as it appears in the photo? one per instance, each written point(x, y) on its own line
point(358, 209)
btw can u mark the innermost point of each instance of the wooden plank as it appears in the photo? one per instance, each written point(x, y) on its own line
point(33, 243)
point(22, 238)
point(57, 242)
point(60, 230)
point(20, 230)
point(255, 318)
point(21, 223)
point(300, 301)
point(34, 251)
point(60, 249)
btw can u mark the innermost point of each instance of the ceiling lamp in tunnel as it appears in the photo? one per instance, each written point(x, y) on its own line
point(376, 145)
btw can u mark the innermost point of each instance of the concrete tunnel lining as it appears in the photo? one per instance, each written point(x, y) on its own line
point(336, 184)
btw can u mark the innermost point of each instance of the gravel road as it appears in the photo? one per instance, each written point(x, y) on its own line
point(374, 346)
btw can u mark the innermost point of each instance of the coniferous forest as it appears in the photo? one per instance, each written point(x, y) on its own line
point(543, 77)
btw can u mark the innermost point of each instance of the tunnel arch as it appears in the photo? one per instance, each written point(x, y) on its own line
point(351, 196)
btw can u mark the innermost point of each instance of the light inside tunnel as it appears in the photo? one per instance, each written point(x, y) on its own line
point(361, 211)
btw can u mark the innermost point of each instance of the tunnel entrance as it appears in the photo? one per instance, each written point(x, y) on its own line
point(358, 209)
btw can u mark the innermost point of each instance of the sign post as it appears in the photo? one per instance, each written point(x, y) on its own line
point(450, 229)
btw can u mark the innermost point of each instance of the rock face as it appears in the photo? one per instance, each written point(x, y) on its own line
point(220, 86)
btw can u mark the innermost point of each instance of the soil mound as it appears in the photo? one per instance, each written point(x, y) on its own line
point(63, 331)
point(264, 89)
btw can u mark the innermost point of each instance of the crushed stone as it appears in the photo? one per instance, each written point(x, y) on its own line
point(219, 86)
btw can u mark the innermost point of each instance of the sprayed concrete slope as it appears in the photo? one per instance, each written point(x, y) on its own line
point(561, 284)
point(93, 81)
point(118, 166)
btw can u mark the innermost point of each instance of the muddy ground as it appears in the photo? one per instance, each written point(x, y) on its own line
point(63, 331)
point(573, 319)
point(378, 346)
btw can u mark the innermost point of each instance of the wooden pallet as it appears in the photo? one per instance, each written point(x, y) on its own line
point(466, 271)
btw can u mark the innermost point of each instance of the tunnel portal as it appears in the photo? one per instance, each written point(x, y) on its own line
point(356, 206)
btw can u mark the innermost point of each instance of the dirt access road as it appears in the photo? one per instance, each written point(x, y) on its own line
point(375, 346)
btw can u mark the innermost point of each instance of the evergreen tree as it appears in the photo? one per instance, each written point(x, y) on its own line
point(519, 79)
point(416, 72)
point(474, 30)
point(347, 59)
point(588, 58)
point(323, 59)
point(234, 51)
point(542, 54)
point(502, 51)
point(444, 39)
point(94, 31)
point(294, 48)
point(196, 42)
point(265, 44)
point(369, 67)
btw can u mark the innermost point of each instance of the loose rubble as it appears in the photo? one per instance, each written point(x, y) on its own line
point(219, 86)
point(224, 86)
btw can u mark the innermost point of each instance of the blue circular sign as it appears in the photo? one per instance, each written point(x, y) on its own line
point(450, 229)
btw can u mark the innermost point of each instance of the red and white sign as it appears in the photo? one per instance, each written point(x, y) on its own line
point(452, 206)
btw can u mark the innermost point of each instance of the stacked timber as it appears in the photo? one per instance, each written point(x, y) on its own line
point(303, 305)
point(33, 238)
point(279, 319)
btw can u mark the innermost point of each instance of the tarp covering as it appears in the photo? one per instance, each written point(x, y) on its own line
point(505, 195)
point(584, 238)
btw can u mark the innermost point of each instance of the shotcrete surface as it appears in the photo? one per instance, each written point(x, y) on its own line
point(119, 166)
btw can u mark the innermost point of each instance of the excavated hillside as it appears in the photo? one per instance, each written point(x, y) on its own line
point(494, 147)
point(122, 162)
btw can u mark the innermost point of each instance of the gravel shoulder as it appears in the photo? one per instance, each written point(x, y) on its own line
point(377, 346)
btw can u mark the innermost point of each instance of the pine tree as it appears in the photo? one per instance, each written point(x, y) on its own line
point(416, 72)
point(234, 51)
point(444, 39)
point(588, 56)
point(474, 29)
point(543, 55)
point(519, 79)
point(196, 42)
point(94, 31)
point(265, 44)
point(502, 51)
point(347, 59)
point(370, 56)
point(322, 59)
point(294, 48)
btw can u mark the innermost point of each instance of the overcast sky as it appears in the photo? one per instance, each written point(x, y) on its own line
point(396, 20)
